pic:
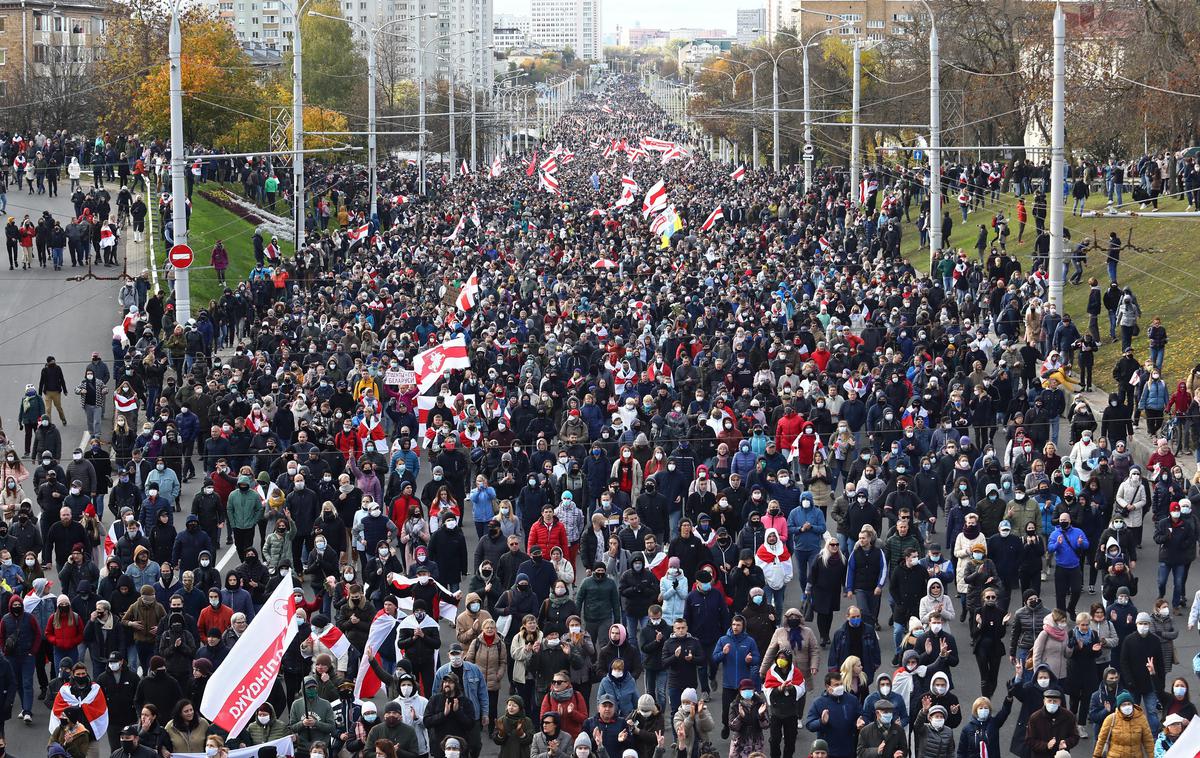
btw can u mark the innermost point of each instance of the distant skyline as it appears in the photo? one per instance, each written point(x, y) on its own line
point(627, 13)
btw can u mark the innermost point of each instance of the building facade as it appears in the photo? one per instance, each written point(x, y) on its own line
point(693, 54)
point(562, 24)
point(869, 19)
point(49, 40)
point(751, 24)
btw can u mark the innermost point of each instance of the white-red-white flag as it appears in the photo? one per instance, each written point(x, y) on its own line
point(713, 217)
point(469, 292)
point(738, 174)
point(550, 165)
point(1188, 744)
point(233, 693)
point(367, 684)
point(548, 183)
point(358, 232)
point(334, 640)
point(432, 364)
point(656, 198)
point(462, 222)
point(93, 705)
point(463, 170)
point(401, 199)
point(497, 169)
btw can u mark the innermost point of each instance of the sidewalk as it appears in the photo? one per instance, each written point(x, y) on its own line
point(1141, 446)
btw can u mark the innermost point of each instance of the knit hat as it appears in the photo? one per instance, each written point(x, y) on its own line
point(689, 696)
point(1144, 617)
point(147, 590)
point(1124, 697)
point(821, 745)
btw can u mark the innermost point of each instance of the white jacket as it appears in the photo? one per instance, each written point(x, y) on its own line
point(1131, 497)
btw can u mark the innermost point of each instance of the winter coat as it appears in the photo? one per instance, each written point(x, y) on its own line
point(1124, 736)
point(735, 667)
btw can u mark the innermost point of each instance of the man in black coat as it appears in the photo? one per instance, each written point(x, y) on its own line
point(119, 684)
point(639, 589)
point(1142, 668)
point(450, 713)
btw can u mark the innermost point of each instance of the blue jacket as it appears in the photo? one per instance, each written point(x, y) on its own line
point(623, 690)
point(673, 598)
point(594, 418)
point(975, 732)
point(188, 545)
point(1066, 546)
point(189, 426)
point(788, 497)
point(1154, 395)
point(743, 461)
point(840, 648)
point(840, 732)
point(809, 541)
point(899, 707)
point(474, 683)
point(736, 669)
point(707, 616)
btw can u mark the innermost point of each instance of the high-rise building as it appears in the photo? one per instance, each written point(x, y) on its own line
point(751, 24)
point(271, 24)
point(559, 24)
point(43, 41)
point(869, 19)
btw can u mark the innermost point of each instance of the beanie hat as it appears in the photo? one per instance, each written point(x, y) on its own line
point(1124, 697)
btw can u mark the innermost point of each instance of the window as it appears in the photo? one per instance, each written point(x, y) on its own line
point(3, 90)
point(875, 24)
point(3, 56)
point(902, 18)
point(40, 54)
point(855, 17)
point(38, 24)
point(2, 23)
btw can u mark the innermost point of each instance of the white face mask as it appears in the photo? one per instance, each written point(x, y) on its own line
point(1127, 709)
point(264, 720)
point(1043, 682)
point(1051, 707)
point(885, 689)
point(935, 628)
point(839, 690)
point(937, 723)
point(114, 666)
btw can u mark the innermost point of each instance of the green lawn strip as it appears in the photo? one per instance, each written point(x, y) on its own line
point(1166, 283)
point(210, 223)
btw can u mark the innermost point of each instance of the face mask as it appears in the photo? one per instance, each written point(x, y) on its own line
point(977, 556)
point(938, 723)
point(839, 690)
point(114, 666)
point(885, 718)
point(264, 719)
point(757, 599)
point(210, 750)
point(1043, 682)
point(1143, 629)
point(856, 621)
point(406, 690)
point(885, 689)
point(1126, 709)
point(940, 689)
point(617, 674)
point(746, 694)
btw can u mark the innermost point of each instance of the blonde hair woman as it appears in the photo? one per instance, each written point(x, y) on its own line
point(855, 678)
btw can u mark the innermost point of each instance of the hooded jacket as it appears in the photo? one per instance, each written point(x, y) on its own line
point(775, 561)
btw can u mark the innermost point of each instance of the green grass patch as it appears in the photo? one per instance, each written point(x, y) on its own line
point(1164, 275)
point(210, 223)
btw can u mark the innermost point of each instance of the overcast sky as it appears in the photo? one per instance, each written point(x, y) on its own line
point(664, 15)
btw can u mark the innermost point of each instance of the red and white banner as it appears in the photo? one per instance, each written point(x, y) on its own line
point(234, 693)
point(445, 610)
point(284, 747)
point(367, 684)
point(32, 599)
point(656, 145)
point(469, 292)
point(358, 232)
point(676, 153)
point(430, 365)
point(533, 162)
point(713, 218)
point(548, 183)
point(659, 564)
point(93, 705)
point(656, 198)
point(549, 166)
point(605, 263)
point(497, 169)
point(824, 243)
point(738, 174)
point(463, 170)
point(401, 199)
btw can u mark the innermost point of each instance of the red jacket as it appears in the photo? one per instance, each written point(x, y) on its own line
point(215, 618)
point(347, 444)
point(786, 431)
point(68, 636)
point(570, 719)
point(806, 447)
point(548, 536)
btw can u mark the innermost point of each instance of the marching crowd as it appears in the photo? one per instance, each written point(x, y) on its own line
point(757, 483)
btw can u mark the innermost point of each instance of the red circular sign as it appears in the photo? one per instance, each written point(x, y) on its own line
point(180, 256)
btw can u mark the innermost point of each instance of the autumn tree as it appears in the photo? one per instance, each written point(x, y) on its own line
point(219, 84)
point(334, 69)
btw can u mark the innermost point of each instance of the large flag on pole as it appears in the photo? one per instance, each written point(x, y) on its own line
point(713, 217)
point(430, 365)
point(367, 684)
point(234, 692)
point(656, 198)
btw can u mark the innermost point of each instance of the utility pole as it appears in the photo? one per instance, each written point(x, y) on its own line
point(179, 214)
point(420, 108)
point(754, 111)
point(855, 130)
point(1058, 158)
point(809, 157)
point(775, 120)
point(935, 146)
point(372, 155)
point(453, 152)
point(297, 131)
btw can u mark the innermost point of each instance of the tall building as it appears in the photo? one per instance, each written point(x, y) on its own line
point(779, 16)
point(871, 19)
point(45, 40)
point(271, 24)
point(751, 24)
point(559, 24)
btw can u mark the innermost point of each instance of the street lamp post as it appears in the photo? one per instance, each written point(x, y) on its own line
point(775, 95)
point(372, 159)
point(179, 215)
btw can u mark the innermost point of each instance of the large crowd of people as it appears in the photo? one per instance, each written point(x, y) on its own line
point(759, 483)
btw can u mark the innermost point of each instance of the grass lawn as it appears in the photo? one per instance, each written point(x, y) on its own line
point(210, 223)
point(1165, 278)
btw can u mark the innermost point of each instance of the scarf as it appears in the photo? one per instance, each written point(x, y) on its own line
point(1054, 632)
point(563, 696)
